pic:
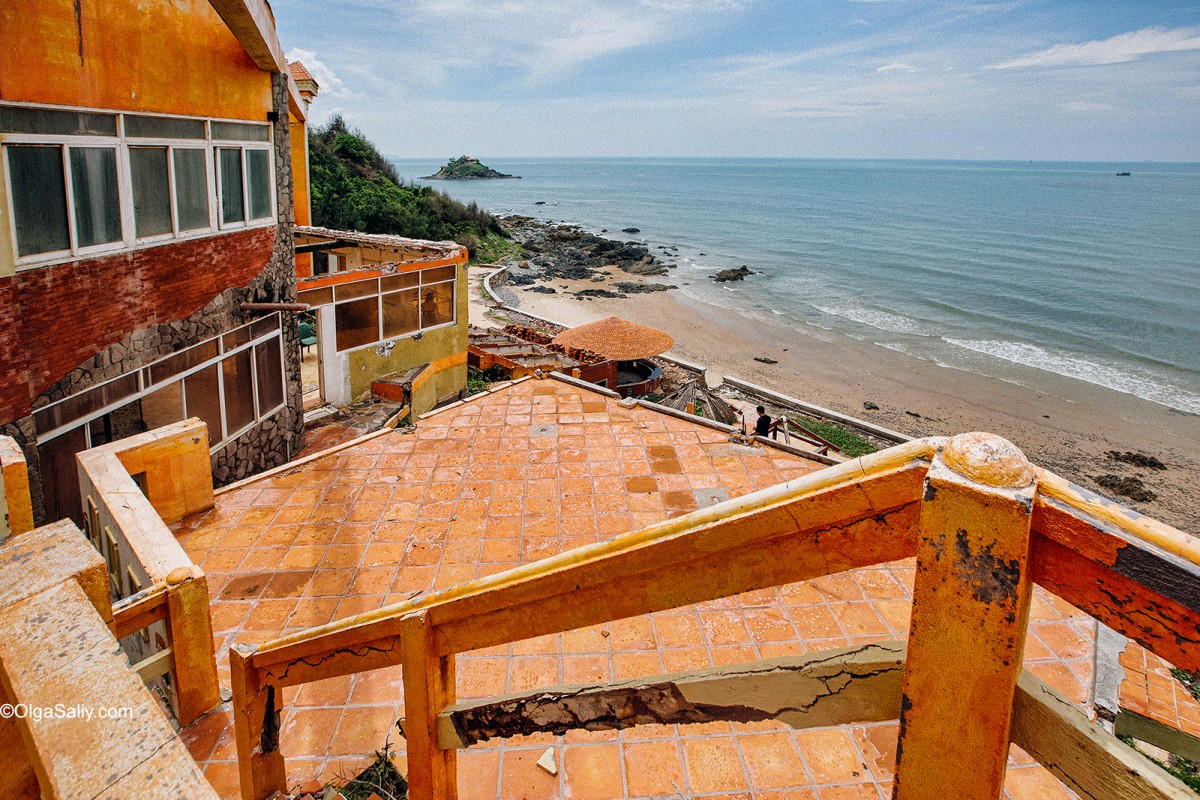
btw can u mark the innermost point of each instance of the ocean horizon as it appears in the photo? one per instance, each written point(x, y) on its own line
point(1015, 270)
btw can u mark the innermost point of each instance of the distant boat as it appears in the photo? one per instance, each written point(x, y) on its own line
point(1124, 174)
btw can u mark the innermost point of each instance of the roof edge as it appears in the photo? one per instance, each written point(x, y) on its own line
point(252, 22)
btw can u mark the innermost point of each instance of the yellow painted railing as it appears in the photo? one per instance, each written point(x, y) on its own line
point(984, 526)
point(130, 490)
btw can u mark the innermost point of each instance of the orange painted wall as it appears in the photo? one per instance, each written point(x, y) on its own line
point(173, 57)
point(300, 188)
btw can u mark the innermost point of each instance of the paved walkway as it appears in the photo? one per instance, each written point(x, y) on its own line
point(514, 476)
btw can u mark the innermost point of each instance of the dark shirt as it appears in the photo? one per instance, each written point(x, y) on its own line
point(763, 426)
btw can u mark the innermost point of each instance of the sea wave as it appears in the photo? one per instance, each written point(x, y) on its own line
point(1147, 387)
point(883, 320)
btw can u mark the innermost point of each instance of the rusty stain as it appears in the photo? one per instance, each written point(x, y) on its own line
point(991, 579)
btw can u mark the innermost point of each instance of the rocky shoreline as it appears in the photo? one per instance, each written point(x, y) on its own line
point(557, 252)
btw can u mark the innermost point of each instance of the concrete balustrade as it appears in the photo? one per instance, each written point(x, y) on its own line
point(130, 490)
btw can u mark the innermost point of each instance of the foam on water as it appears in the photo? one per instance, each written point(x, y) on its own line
point(883, 320)
point(1122, 379)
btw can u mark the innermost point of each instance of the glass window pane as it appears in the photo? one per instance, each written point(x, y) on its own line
point(164, 406)
point(357, 323)
point(39, 198)
point(239, 391)
point(349, 291)
point(258, 165)
point(233, 207)
point(316, 297)
point(437, 274)
point(183, 360)
point(163, 127)
point(269, 367)
point(400, 313)
point(97, 204)
point(261, 327)
point(204, 401)
point(56, 123)
point(236, 337)
point(401, 281)
point(437, 304)
point(240, 132)
point(120, 423)
point(151, 190)
point(191, 189)
point(86, 402)
point(60, 475)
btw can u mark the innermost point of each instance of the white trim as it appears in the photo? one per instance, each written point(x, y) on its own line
point(146, 388)
point(121, 143)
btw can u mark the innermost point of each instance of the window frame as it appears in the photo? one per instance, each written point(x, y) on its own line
point(379, 295)
point(122, 143)
point(244, 149)
point(64, 145)
point(147, 386)
point(172, 145)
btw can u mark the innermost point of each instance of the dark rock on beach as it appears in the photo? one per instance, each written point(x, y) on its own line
point(1133, 488)
point(1137, 459)
point(643, 288)
point(738, 274)
point(543, 289)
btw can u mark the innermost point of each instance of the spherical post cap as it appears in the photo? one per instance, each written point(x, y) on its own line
point(178, 575)
point(988, 459)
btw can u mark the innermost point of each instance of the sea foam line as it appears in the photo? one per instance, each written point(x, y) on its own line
point(1073, 366)
point(882, 320)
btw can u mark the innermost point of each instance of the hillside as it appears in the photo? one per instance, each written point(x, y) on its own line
point(355, 188)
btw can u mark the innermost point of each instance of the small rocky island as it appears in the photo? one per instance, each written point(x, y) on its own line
point(465, 168)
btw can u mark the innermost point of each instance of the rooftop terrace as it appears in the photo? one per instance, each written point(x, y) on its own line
point(514, 476)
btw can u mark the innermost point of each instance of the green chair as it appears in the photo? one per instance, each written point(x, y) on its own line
point(308, 335)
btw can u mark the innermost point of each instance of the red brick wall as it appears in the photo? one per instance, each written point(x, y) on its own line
point(53, 318)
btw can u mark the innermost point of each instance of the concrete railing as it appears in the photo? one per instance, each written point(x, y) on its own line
point(16, 511)
point(131, 490)
point(984, 526)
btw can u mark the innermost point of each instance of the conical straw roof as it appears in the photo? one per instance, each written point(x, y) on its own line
point(617, 339)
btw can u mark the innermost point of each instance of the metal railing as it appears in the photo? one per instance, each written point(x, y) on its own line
point(984, 526)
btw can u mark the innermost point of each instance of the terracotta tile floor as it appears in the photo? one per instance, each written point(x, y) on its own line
point(514, 476)
point(1151, 690)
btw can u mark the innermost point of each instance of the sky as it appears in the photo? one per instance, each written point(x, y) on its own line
point(1105, 81)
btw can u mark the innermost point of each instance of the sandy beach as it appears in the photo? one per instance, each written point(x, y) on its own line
point(1069, 431)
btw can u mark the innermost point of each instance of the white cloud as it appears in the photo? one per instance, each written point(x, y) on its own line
point(547, 39)
point(330, 85)
point(1118, 49)
point(898, 68)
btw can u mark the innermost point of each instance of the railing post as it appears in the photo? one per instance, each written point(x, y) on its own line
point(970, 609)
point(190, 636)
point(256, 713)
point(428, 690)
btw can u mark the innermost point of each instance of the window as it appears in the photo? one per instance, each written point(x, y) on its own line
point(245, 177)
point(38, 183)
point(372, 310)
point(84, 181)
point(231, 382)
point(153, 172)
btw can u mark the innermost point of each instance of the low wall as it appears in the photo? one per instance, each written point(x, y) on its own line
point(131, 489)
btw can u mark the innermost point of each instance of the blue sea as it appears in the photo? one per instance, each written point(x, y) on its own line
point(1008, 269)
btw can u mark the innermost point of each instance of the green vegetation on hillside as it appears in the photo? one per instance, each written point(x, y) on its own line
point(354, 188)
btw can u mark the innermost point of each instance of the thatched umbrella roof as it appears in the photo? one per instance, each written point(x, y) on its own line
point(616, 338)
